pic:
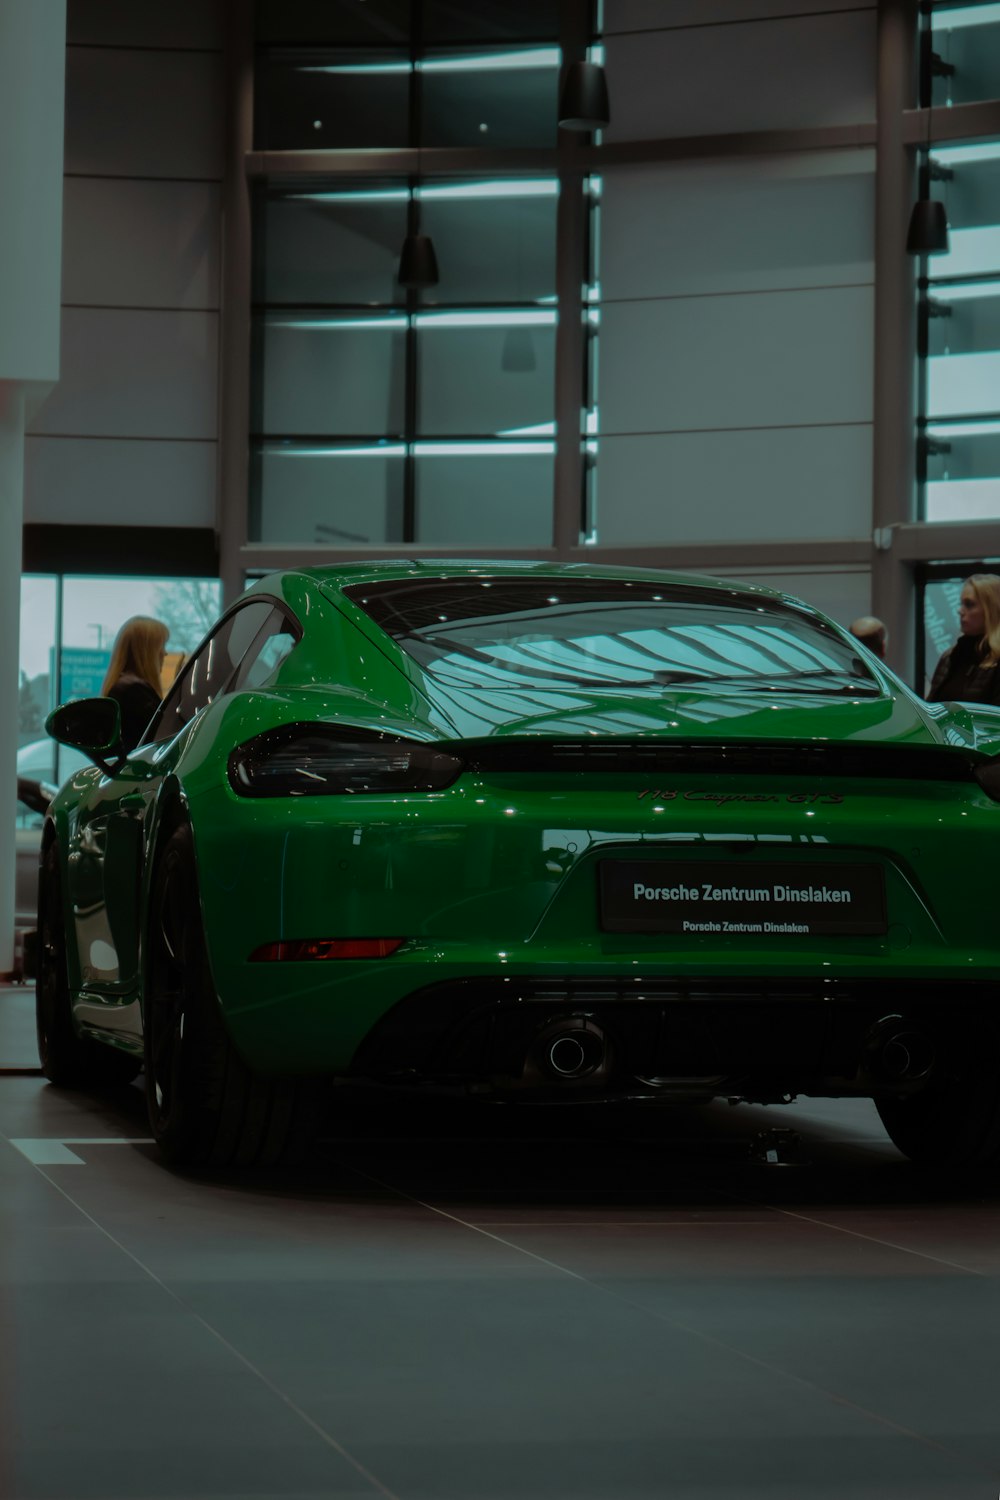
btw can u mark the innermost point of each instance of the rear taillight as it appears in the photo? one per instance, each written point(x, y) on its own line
point(326, 760)
point(299, 950)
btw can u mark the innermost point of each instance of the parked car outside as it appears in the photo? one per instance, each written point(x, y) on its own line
point(36, 769)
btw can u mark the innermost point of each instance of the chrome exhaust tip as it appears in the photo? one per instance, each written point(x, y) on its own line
point(567, 1051)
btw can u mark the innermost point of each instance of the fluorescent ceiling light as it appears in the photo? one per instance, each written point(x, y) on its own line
point(373, 195)
point(968, 291)
point(948, 430)
point(542, 429)
point(365, 67)
point(965, 15)
point(511, 319)
point(956, 156)
point(482, 450)
point(336, 324)
point(384, 450)
point(489, 62)
point(534, 187)
point(532, 57)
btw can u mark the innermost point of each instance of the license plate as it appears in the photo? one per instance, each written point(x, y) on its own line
point(732, 897)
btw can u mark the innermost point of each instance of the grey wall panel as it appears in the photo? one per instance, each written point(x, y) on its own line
point(697, 227)
point(766, 75)
point(791, 484)
point(133, 23)
point(144, 114)
point(135, 374)
point(115, 482)
point(841, 593)
point(650, 15)
point(801, 358)
point(141, 244)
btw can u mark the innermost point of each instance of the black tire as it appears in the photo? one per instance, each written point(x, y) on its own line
point(206, 1107)
point(68, 1060)
point(954, 1122)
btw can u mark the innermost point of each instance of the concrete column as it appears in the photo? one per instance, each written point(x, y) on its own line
point(11, 491)
point(32, 88)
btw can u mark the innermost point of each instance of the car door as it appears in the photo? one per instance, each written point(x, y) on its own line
point(106, 849)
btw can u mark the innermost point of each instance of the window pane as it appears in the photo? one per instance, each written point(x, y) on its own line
point(36, 753)
point(495, 241)
point(323, 247)
point(971, 195)
point(940, 621)
point(483, 494)
point(963, 471)
point(961, 390)
point(383, 22)
point(490, 20)
point(309, 99)
point(329, 21)
point(330, 496)
point(490, 98)
point(485, 373)
point(967, 38)
point(331, 375)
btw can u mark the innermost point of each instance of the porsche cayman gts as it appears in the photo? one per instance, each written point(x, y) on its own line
point(532, 832)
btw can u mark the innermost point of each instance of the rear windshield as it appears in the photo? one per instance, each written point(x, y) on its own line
point(607, 633)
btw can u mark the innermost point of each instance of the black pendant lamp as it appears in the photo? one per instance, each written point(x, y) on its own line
point(418, 266)
point(928, 231)
point(583, 98)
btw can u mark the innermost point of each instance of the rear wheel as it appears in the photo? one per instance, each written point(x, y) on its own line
point(954, 1121)
point(67, 1059)
point(206, 1107)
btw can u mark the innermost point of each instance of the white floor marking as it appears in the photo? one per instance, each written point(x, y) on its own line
point(56, 1152)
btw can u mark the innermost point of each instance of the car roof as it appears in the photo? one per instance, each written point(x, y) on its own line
point(344, 574)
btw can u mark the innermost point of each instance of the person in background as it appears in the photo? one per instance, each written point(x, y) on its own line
point(133, 675)
point(871, 632)
point(970, 670)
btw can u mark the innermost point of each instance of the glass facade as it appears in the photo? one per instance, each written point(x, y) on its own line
point(939, 586)
point(966, 42)
point(958, 455)
point(68, 626)
point(381, 416)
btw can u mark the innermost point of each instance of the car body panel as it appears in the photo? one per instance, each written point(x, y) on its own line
point(495, 879)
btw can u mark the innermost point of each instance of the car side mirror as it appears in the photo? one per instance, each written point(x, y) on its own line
point(93, 725)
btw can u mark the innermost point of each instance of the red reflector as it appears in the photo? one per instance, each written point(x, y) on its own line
point(298, 949)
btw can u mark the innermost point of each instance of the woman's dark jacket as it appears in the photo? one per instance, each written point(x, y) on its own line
point(138, 703)
point(961, 675)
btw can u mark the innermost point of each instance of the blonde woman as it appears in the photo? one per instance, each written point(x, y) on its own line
point(970, 670)
point(133, 675)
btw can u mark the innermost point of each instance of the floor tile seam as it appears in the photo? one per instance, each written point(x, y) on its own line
point(321, 1432)
point(620, 1224)
point(732, 1350)
point(874, 1239)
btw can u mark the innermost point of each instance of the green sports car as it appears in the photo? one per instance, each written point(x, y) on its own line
point(531, 832)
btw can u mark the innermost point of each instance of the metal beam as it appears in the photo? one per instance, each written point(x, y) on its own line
point(895, 348)
point(234, 332)
point(954, 122)
point(753, 557)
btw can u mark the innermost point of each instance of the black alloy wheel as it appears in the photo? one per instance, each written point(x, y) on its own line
point(953, 1122)
point(206, 1107)
point(68, 1060)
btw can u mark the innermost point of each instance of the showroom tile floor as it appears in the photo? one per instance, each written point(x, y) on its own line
point(455, 1304)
